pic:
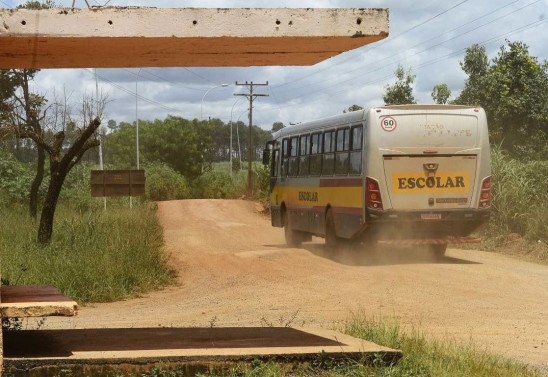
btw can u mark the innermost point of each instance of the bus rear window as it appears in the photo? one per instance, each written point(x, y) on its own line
point(432, 131)
point(357, 138)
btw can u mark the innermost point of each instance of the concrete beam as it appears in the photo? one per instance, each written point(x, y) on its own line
point(155, 37)
point(35, 301)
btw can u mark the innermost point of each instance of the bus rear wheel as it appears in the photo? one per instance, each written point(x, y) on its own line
point(292, 237)
point(437, 251)
point(332, 242)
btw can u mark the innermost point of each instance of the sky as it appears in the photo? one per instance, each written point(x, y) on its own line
point(429, 37)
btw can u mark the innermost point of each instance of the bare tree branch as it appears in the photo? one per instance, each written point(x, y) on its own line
point(87, 146)
point(31, 134)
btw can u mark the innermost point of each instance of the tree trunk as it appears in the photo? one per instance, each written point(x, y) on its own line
point(45, 230)
point(37, 182)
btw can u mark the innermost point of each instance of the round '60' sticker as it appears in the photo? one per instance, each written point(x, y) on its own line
point(388, 124)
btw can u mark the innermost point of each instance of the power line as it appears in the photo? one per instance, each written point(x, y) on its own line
point(322, 83)
point(433, 61)
point(200, 76)
point(393, 63)
point(376, 45)
point(138, 95)
point(173, 82)
point(161, 79)
point(188, 70)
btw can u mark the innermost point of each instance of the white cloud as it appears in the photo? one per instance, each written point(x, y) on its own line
point(433, 50)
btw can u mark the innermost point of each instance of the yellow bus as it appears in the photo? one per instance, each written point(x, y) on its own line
point(408, 174)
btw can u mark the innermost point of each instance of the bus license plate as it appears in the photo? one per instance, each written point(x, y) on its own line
point(431, 216)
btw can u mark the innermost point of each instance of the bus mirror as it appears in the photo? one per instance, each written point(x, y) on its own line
point(266, 152)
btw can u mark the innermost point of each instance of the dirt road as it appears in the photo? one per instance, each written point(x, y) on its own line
point(234, 269)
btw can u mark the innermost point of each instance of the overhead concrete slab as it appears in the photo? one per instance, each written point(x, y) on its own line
point(155, 37)
point(32, 350)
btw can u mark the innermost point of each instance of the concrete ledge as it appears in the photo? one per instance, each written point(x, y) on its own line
point(142, 37)
point(34, 301)
point(105, 349)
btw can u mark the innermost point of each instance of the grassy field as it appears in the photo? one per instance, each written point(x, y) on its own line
point(95, 256)
point(423, 357)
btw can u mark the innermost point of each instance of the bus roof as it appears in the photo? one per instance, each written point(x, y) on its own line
point(351, 117)
point(358, 116)
point(427, 107)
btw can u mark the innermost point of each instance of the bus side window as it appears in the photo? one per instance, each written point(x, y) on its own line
point(303, 153)
point(293, 157)
point(285, 157)
point(274, 169)
point(342, 155)
point(315, 154)
point(328, 160)
point(356, 148)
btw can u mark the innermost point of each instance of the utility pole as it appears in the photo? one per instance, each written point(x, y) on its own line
point(101, 139)
point(251, 97)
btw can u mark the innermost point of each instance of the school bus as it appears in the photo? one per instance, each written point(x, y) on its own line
point(407, 174)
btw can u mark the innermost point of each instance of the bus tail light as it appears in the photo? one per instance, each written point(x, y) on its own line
point(486, 195)
point(372, 194)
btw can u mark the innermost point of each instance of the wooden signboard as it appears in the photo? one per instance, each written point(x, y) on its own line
point(108, 183)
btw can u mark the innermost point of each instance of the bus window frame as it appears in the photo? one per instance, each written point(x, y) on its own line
point(318, 155)
point(285, 157)
point(304, 156)
point(345, 132)
point(356, 151)
point(333, 144)
point(275, 165)
point(293, 158)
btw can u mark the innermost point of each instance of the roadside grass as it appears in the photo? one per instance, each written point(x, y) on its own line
point(427, 357)
point(519, 217)
point(94, 256)
point(423, 357)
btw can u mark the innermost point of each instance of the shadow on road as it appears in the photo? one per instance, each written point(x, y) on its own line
point(378, 256)
point(64, 343)
point(382, 256)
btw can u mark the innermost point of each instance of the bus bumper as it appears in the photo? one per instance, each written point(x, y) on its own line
point(425, 224)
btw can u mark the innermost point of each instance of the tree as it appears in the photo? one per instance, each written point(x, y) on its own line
point(276, 126)
point(513, 90)
point(476, 87)
point(112, 126)
point(25, 109)
point(441, 94)
point(31, 116)
point(8, 84)
point(62, 157)
point(33, 4)
point(352, 108)
point(401, 92)
point(181, 143)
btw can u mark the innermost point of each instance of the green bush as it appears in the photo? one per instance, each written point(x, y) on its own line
point(219, 185)
point(164, 183)
point(262, 182)
point(15, 179)
point(77, 188)
point(236, 165)
point(520, 198)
